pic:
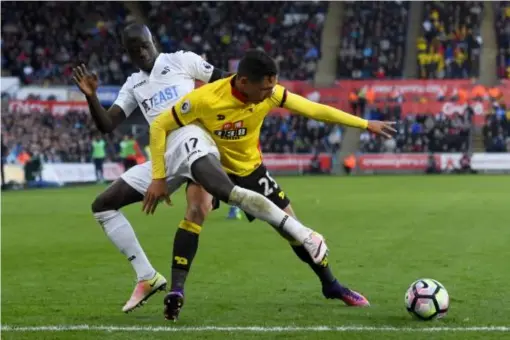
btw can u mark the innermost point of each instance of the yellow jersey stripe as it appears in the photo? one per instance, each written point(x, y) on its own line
point(284, 98)
point(176, 117)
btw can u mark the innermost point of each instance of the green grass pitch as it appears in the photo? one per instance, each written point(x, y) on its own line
point(58, 268)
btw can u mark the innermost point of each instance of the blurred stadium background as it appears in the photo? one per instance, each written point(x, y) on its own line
point(440, 69)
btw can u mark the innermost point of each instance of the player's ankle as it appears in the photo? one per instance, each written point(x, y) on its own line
point(329, 282)
point(149, 276)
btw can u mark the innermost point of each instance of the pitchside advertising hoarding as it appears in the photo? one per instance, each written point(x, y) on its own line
point(56, 108)
point(67, 173)
point(418, 96)
point(399, 163)
point(105, 94)
point(63, 173)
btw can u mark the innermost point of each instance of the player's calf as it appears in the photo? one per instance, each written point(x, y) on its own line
point(262, 208)
point(187, 235)
point(186, 245)
point(120, 232)
point(199, 203)
point(185, 248)
point(208, 172)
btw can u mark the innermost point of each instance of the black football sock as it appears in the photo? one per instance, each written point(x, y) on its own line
point(185, 248)
point(322, 269)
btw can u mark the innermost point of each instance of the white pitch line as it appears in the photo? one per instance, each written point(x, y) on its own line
point(259, 329)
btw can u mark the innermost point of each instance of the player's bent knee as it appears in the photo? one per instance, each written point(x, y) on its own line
point(116, 196)
point(105, 202)
point(197, 212)
point(99, 204)
point(199, 203)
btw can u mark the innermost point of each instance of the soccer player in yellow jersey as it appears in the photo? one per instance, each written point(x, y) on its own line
point(232, 110)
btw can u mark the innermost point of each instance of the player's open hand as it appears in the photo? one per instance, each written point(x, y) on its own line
point(385, 129)
point(158, 191)
point(86, 80)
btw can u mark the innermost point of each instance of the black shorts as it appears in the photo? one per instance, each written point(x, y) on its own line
point(261, 181)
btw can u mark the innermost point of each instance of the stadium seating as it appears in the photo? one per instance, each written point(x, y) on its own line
point(68, 138)
point(373, 40)
point(496, 132)
point(373, 45)
point(297, 134)
point(41, 41)
point(55, 139)
point(289, 31)
point(422, 133)
point(57, 35)
point(502, 18)
point(450, 45)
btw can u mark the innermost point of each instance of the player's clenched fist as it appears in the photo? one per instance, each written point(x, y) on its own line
point(385, 129)
point(86, 81)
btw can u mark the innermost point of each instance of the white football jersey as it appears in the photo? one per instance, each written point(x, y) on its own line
point(172, 76)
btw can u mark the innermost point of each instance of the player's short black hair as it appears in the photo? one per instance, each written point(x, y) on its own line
point(255, 65)
point(136, 29)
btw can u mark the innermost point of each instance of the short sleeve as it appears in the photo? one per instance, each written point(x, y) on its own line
point(196, 66)
point(126, 99)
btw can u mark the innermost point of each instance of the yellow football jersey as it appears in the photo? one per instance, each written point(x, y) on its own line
point(233, 123)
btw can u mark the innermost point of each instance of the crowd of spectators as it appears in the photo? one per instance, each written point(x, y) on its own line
point(450, 45)
point(496, 131)
point(420, 133)
point(53, 138)
point(68, 138)
point(289, 31)
point(373, 39)
point(502, 21)
point(43, 40)
point(297, 134)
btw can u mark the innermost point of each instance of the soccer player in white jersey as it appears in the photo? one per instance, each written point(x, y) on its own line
point(163, 79)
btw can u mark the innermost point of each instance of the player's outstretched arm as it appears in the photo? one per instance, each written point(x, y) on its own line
point(105, 120)
point(329, 114)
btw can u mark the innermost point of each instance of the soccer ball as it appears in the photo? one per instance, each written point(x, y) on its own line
point(427, 299)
